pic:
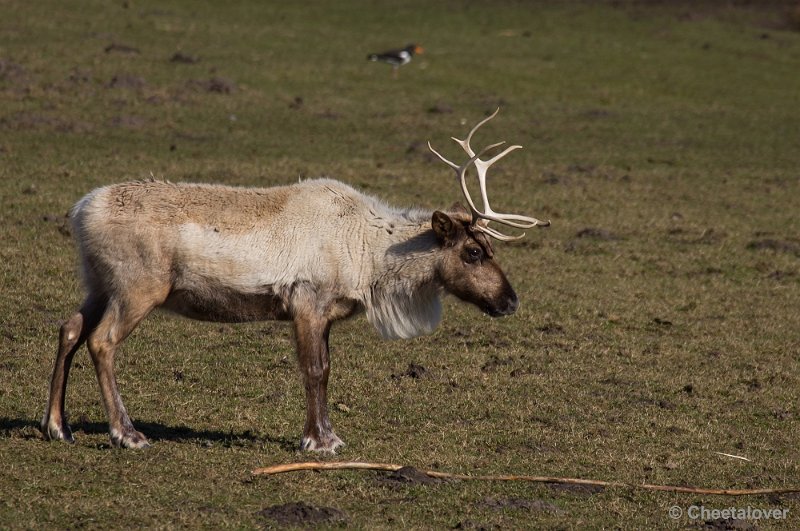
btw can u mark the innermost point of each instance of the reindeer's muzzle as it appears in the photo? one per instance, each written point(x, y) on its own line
point(507, 307)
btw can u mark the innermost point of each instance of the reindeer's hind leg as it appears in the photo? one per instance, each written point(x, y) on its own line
point(119, 320)
point(72, 335)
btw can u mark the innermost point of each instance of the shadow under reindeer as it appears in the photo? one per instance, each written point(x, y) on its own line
point(155, 431)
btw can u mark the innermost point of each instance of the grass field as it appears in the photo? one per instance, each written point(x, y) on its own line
point(660, 314)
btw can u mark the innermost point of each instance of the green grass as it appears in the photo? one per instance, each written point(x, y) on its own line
point(670, 332)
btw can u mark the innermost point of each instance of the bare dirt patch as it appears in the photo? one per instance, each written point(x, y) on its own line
point(12, 72)
point(413, 371)
point(60, 222)
point(183, 58)
point(727, 524)
point(707, 236)
point(115, 47)
point(300, 513)
point(215, 85)
point(778, 246)
point(127, 81)
point(594, 233)
point(32, 120)
point(128, 121)
point(494, 362)
point(440, 108)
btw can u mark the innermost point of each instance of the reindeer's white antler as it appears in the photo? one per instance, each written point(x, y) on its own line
point(480, 220)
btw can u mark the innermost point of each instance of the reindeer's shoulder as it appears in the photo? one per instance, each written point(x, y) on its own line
point(332, 195)
point(328, 187)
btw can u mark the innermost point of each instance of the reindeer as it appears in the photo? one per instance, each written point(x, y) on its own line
point(311, 253)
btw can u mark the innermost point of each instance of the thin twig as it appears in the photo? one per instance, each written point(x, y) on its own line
point(732, 456)
point(357, 465)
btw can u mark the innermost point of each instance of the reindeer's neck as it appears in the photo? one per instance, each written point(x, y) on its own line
point(404, 298)
point(413, 255)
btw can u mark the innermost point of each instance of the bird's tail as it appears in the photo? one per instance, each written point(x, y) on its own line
point(372, 57)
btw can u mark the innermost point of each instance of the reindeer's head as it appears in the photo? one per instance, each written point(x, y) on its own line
point(468, 269)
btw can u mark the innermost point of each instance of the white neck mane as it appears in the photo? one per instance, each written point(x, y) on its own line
point(403, 315)
point(404, 299)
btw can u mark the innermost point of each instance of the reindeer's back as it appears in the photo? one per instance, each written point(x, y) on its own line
point(247, 239)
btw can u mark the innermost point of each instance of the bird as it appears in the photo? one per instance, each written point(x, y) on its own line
point(397, 58)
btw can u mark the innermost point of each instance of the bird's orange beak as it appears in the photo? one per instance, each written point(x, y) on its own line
point(419, 49)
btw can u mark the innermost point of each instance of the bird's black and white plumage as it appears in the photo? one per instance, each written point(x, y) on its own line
point(397, 58)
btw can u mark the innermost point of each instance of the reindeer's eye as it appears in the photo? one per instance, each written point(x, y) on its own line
point(473, 255)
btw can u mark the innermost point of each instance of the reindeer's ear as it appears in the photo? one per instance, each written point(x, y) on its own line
point(446, 228)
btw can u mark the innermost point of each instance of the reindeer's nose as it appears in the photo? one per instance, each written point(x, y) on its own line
point(510, 306)
point(513, 304)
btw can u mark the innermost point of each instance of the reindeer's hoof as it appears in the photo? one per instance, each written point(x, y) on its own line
point(129, 439)
point(327, 443)
point(53, 431)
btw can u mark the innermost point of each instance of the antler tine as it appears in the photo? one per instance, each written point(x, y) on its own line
point(484, 227)
point(465, 143)
point(513, 220)
point(482, 166)
point(466, 147)
point(461, 172)
point(481, 220)
point(451, 164)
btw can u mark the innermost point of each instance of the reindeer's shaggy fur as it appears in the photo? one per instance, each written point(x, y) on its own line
point(221, 244)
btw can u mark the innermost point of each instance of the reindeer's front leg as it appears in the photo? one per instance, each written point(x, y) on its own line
point(311, 333)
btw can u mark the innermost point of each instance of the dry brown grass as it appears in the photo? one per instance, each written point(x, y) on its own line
point(660, 318)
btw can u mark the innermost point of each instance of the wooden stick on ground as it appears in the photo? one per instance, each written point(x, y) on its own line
point(357, 465)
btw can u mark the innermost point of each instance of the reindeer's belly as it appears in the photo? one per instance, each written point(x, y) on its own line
point(227, 306)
